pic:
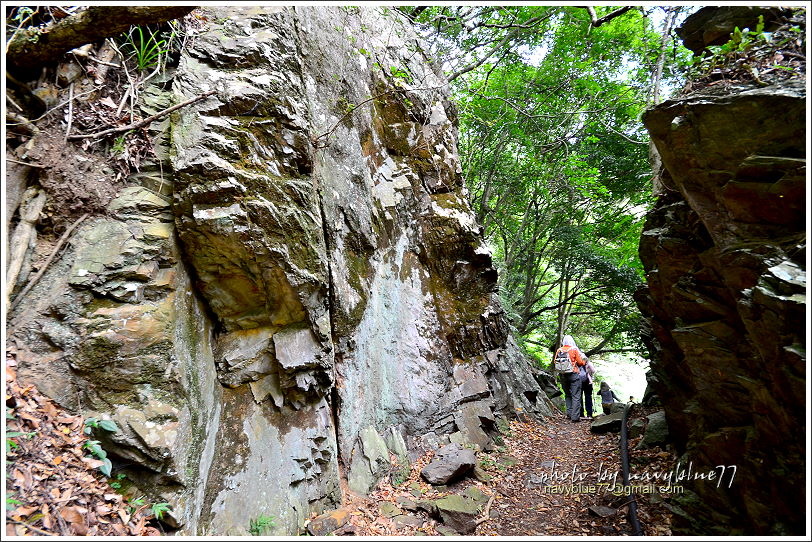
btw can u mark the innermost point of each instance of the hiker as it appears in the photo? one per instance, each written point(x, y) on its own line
point(607, 397)
point(587, 372)
point(570, 376)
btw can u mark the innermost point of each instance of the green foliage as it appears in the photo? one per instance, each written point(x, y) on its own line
point(400, 474)
point(400, 73)
point(21, 14)
point(118, 145)
point(11, 444)
point(95, 448)
point(12, 503)
point(344, 105)
point(118, 483)
point(95, 423)
point(135, 504)
point(160, 508)
point(556, 157)
point(488, 463)
point(261, 525)
point(739, 44)
point(146, 49)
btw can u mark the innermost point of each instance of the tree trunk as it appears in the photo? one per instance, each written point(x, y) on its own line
point(32, 48)
point(24, 234)
point(670, 16)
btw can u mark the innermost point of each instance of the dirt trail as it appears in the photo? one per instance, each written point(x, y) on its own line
point(530, 478)
point(555, 480)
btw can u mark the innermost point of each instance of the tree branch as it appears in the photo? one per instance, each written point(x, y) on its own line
point(596, 22)
point(510, 35)
point(144, 122)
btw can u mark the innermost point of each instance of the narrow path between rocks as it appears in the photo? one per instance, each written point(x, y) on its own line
point(555, 481)
point(547, 479)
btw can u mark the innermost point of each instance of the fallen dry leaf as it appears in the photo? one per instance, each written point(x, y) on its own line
point(72, 515)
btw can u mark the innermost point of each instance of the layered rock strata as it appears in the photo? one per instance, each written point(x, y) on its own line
point(724, 252)
point(294, 290)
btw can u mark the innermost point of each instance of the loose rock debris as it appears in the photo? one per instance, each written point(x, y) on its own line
point(551, 479)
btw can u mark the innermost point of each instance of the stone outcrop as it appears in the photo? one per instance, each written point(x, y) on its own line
point(295, 284)
point(724, 252)
point(459, 512)
point(656, 431)
point(609, 423)
point(712, 26)
point(451, 462)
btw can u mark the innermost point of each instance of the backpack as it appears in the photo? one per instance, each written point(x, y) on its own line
point(563, 364)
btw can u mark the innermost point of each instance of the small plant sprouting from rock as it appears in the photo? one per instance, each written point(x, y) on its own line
point(119, 146)
point(135, 504)
point(117, 484)
point(345, 105)
point(400, 474)
point(160, 508)
point(400, 73)
point(94, 446)
point(95, 423)
point(146, 49)
point(261, 525)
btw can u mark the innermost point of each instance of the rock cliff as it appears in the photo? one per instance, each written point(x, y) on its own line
point(724, 251)
point(293, 289)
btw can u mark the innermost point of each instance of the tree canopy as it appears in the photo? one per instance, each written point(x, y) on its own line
point(555, 155)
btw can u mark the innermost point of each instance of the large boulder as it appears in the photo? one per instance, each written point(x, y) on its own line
point(608, 423)
point(714, 25)
point(450, 463)
point(459, 513)
point(656, 433)
point(326, 523)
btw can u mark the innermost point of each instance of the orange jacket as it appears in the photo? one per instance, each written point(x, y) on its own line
point(575, 357)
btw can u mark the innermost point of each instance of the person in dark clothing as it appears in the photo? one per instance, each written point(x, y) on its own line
point(607, 397)
point(571, 382)
point(587, 372)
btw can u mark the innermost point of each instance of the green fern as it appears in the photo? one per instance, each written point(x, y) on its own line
point(261, 525)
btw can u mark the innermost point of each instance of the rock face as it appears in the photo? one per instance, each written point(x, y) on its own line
point(296, 282)
point(712, 26)
point(724, 251)
point(609, 423)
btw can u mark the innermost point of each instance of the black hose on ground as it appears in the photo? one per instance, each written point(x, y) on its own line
point(624, 465)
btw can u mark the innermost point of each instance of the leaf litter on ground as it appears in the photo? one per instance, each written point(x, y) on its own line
point(53, 487)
